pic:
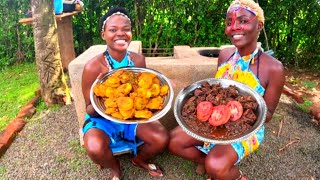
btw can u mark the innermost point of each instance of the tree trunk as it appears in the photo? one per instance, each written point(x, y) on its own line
point(54, 89)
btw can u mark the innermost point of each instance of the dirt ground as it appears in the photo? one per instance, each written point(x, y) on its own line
point(306, 86)
point(48, 148)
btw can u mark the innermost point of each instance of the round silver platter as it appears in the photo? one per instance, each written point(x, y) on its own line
point(187, 92)
point(99, 106)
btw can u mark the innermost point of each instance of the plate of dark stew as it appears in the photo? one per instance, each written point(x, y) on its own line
point(219, 111)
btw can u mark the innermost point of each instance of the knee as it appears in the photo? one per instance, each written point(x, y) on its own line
point(216, 167)
point(159, 138)
point(174, 142)
point(95, 148)
point(162, 138)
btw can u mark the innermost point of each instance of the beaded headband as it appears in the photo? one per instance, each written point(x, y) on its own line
point(238, 5)
point(116, 13)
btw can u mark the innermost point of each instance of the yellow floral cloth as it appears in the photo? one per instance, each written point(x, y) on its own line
point(238, 69)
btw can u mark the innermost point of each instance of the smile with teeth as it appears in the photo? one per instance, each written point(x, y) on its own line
point(237, 36)
point(120, 41)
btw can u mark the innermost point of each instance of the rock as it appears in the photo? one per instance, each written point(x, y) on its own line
point(7, 136)
point(29, 109)
point(315, 112)
point(297, 96)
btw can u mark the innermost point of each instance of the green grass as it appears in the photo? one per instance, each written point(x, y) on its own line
point(305, 106)
point(18, 84)
point(76, 147)
point(310, 84)
point(2, 171)
point(259, 152)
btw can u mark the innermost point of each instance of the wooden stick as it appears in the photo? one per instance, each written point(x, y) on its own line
point(297, 139)
point(280, 128)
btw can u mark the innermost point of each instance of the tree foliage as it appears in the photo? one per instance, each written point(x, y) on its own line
point(16, 41)
point(292, 27)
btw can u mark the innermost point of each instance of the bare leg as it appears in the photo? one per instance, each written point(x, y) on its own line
point(220, 161)
point(183, 145)
point(97, 143)
point(155, 138)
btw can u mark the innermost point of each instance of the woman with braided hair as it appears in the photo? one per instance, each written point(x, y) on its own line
point(245, 63)
point(102, 136)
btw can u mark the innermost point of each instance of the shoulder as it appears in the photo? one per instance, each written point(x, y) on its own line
point(272, 71)
point(273, 64)
point(136, 56)
point(94, 65)
point(138, 59)
point(225, 54)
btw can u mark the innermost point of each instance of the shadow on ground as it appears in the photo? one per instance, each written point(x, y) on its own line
point(48, 148)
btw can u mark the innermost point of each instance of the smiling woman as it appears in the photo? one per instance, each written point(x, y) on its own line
point(247, 64)
point(102, 135)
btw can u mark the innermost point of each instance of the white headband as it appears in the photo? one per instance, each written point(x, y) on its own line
point(116, 13)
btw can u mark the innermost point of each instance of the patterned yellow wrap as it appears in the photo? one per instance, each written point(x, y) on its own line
point(250, 145)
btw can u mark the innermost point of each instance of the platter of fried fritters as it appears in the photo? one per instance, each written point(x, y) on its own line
point(132, 95)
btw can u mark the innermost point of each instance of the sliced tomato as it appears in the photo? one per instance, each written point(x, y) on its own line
point(220, 115)
point(236, 110)
point(204, 110)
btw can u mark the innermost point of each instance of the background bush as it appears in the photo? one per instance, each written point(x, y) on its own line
point(292, 27)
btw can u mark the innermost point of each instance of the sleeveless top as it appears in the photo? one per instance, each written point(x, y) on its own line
point(114, 64)
point(237, 68)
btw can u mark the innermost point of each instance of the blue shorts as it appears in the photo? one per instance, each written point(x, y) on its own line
point(122, 136)
point(243, 148)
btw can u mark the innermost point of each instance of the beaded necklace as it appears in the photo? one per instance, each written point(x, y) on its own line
point(114, 64)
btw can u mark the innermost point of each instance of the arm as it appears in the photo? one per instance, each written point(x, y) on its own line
point(274, 87)
point(90, 73)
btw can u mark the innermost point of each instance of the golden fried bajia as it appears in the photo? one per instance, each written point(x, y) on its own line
point(129, 95)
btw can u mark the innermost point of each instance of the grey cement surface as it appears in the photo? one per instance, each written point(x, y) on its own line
point(48, 148)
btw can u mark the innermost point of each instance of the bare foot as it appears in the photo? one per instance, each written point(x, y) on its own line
point(152, 169)
point(200, 169)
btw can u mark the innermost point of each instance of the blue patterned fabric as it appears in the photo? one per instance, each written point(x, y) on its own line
point(122, 136)
point(126, 61)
